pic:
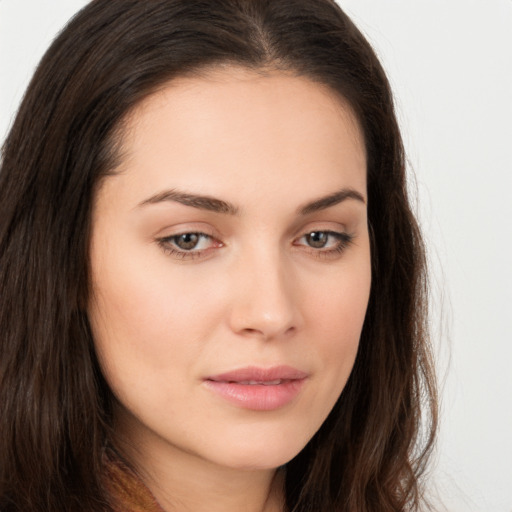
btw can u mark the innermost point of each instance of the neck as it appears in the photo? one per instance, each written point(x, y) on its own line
point(213, 490)
point(181, 481)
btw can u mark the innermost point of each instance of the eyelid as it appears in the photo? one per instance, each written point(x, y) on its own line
point(168, 242)
point(345, 239)
point(186, 227)
point(328, 232)
point(165, 238)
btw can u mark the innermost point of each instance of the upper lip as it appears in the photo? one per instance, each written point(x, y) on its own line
point(257, 374)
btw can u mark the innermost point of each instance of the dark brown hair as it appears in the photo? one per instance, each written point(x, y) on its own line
point(55, 406)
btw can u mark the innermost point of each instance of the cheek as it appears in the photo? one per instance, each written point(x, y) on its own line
point(139, 295)
point(142, 317)
point(339, 341)
point(338, 307)
point(337, 315)
point(148, 339)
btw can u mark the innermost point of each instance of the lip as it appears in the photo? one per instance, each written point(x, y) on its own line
point(258, 389)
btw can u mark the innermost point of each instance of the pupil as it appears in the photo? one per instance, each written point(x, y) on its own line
point(187, 241)
point(317, 239)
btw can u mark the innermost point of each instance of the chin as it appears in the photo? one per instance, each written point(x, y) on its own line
point(253, 456)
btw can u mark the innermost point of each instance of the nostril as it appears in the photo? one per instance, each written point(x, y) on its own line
point(249, 330)
point(268, 333)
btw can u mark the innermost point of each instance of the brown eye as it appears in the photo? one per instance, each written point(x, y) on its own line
point(189, 245)
point(325, 244)
point(317, 239)
point(187, 241)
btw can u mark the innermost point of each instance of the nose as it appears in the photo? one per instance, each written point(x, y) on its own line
point(266, 302)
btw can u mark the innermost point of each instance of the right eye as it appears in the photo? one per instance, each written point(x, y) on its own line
point(188, 245)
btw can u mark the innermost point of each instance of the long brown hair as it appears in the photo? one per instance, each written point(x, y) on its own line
point(55, 421)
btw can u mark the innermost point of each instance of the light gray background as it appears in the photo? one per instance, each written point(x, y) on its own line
point(450, 63)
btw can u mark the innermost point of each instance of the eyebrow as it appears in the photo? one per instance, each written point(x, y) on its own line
point(213, 204)
point(195, 200)
point(331, 200)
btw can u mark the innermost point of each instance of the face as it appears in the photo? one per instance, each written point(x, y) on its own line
point(231, 267)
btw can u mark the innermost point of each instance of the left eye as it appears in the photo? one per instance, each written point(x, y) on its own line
point(326, 240)
point(317, 239)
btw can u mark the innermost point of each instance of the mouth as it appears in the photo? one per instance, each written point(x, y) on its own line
point(259, 383)
point(258, 389)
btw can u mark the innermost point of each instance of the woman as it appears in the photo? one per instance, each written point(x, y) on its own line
point(213, 289)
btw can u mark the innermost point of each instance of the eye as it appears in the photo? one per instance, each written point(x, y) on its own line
point(317, 239)
point(325, 243)
point(188, 245)
point(187, 241)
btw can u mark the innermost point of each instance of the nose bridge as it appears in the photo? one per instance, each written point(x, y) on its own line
point(265, 305)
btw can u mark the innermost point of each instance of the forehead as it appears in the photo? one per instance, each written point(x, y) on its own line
point(240, 127)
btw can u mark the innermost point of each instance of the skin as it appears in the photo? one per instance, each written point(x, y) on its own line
point(253, 292)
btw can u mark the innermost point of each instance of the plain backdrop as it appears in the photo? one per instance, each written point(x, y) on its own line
point(450, 64)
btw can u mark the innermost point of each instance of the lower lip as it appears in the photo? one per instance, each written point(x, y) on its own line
point(257, 397)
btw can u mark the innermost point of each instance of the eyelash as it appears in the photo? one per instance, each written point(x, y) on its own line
point(168, 244)
point(344, 240)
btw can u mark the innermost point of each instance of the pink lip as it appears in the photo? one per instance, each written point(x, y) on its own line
point(259, 389)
